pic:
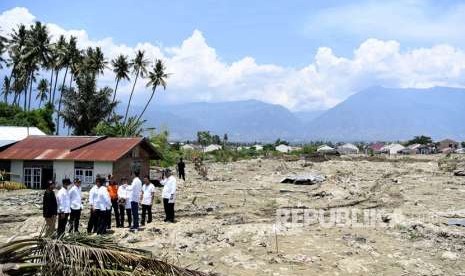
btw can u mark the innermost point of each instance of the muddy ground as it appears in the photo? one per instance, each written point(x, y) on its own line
point(228, 223)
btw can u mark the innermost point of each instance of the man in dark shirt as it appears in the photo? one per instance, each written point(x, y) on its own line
point(50, 208)
point(181, 169)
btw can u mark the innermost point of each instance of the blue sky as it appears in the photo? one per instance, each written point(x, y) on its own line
point(305, 55)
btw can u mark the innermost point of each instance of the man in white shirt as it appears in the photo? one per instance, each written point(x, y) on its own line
point(101, 204)
point(168, 194)
point(75, 196)
point(64, 207)
point(124, 201)
point(136, 187)
point(92, 224)
point(148, 191)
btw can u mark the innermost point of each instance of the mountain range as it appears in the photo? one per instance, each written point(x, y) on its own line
point(375, 114)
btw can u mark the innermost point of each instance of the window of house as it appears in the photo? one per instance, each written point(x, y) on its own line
point(84, 171)
point(85, 175)
point(33, 177)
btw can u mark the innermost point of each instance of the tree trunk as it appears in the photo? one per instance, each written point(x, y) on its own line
point(146, 105)
point(40, 102)
point(50, 90)
point(54, 88)
point(70, 80)
point(130, 97)
point(59, 102)
point(114, 93)
point(25, 95)
point(30, 92)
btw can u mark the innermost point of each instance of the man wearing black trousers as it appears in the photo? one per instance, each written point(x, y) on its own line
point(75, 196)
point(168, 194)
point(124, 201)
point(148, 191)
point(182, 169)
point(101, 205)
point(92, 224)
point(64, 207)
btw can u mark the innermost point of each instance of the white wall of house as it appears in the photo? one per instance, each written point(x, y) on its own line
point(103, 168)
point(62, 170)
point(17, 170)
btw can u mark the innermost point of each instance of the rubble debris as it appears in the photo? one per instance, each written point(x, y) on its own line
point(306, 179)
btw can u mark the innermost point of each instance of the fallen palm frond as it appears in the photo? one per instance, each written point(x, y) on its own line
point(81, 255)
point(10, 185)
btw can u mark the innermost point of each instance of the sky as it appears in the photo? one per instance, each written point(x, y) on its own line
point(304, 55)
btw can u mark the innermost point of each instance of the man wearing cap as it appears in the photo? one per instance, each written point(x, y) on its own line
point(50, 209)
point(64, 206)
point(168, 194)
point(75, 196)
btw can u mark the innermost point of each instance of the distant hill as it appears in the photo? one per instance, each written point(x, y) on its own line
point(374, 114)
point(241, 120)
point(393, 114)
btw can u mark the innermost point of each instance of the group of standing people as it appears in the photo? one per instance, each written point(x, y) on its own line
point(104, 197)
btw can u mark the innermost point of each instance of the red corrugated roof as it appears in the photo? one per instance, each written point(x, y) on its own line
point(80, 148)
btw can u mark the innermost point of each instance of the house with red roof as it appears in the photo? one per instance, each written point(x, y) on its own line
point(37, 159)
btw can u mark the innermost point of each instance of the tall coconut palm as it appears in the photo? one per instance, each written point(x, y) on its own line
point(36, 51)
point(6, 88)
point(16, 45)
point(121, 69)
point(139, 68)
point(58, 52)
point(42, 88)
point(3, 48)
point(157, 77)
point(65, 62)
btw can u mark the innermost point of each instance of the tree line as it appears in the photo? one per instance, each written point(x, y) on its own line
point(28, 54)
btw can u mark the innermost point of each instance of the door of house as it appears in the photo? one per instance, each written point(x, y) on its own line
point(33, 178)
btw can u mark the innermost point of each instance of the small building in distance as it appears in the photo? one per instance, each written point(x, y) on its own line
point(38, 159)
point(392, 148)
point(188, 147)
point(448, 145)
point(211, 148)
point(376, 147)
point(283, 148)
point(348, 149)
point(326, 149)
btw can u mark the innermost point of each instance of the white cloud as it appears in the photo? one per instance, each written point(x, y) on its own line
point(199, 74)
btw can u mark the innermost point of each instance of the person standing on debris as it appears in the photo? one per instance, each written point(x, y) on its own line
point(181, 169)
point(136, 187)
point(92, 224)
point(113, 191)
point(75, 196)
point(64, 206)
point(148, 192)
point(50, 209)
point(102, 203)
point(168, 194)
point(124, 201)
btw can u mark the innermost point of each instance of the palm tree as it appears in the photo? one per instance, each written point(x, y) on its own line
point(81, 254)
point(59, 52)
point(65, 62)
point(121, 69)
point(16, 45)
point(42, 91)
point(139, 68)
point(3, 48)
point(36, 52)
point(6, 88)
point(157, 77)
